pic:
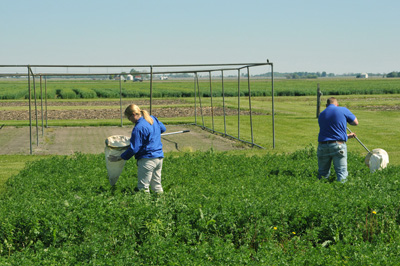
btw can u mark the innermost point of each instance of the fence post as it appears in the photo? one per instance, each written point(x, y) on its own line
point(223, 100)
point(151, 89)
point(30, 109)
point(319, 94)
point(251, 118)
point(120, 101)
point(195, 98)
point(45, 99)
point(41, 104)
point(201, 107)
point(212, 107)
point(239, 103)
point(36, 111)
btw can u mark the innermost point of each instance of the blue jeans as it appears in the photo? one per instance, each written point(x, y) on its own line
point(336, 153)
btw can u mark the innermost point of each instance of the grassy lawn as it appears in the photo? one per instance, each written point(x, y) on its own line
point(296, 125)
point(12, 164)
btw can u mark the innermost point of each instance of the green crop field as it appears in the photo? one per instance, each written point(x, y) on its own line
point(217, 209)
point(88, 89)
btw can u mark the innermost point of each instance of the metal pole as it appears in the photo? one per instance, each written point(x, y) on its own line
point(36, 112)
point(251, 118)
point(201, 107)
point(223, 100)
point(173, 133)
point(120, 101)
point(45, 98)
point(151, 89)
point(359, 141)
point(212, 107)
point(273, 107)
point(238, 103)
point(195, 99)
point(319, 94)
point(41, 104)
point(30, 109)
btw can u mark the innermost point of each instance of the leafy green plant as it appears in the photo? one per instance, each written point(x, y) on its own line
point(85, 93)
point(217, 209)
point(107, 92)
point(66, 93)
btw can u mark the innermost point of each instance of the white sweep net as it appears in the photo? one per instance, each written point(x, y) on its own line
point(115, 145)
point(377, 159)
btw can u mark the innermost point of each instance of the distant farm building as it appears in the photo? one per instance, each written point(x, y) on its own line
point(363, 75)
point(129, 77)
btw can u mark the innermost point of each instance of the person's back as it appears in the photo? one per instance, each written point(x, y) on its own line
point(151, 138)
point(333, 123)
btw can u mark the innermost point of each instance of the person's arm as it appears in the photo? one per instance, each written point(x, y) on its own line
point(162, 127)
point(126, 155)
point(354, 122)
point(136, 144)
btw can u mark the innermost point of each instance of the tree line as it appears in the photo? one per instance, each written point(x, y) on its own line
point(393, 74)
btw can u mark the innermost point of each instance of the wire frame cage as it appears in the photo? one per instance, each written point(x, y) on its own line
point(205, 77)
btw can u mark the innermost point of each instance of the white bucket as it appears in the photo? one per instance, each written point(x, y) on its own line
point(115, 145)
point(377, 159)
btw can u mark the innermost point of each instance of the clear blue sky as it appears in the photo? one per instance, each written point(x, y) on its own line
point(333, 36)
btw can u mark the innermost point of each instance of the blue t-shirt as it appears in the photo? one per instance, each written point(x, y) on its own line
point(333, 123)
point(145, 140)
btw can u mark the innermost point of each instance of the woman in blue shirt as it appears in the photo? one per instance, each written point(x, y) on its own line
point(146, 146)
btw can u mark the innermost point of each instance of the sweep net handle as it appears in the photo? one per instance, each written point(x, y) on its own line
point(177, 132)
point(359, 141)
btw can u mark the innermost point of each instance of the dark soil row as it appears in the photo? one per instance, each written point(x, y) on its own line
point(115, 113)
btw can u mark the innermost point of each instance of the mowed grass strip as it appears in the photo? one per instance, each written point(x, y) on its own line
point(12, 164)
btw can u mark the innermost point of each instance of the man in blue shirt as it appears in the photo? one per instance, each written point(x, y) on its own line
point(146, 146)
point(332, 139)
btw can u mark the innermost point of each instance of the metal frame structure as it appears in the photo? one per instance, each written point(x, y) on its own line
point(188, 68)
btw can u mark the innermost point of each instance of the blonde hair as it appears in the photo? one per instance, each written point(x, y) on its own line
point(134, 109)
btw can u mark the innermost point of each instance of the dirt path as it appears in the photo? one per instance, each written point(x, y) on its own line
point(68, 140)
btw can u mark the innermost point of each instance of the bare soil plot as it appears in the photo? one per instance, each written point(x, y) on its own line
point(68, 140)
point(90, 110)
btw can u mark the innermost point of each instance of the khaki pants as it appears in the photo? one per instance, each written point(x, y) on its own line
point(149, 174)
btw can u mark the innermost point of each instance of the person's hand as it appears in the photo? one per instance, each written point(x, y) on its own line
point(351, 135)
point(113, 158)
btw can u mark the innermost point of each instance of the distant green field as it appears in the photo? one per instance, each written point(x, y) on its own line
point(87, 89)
